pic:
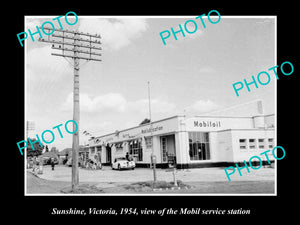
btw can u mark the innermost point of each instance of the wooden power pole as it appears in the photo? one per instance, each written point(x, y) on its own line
point(75, 45)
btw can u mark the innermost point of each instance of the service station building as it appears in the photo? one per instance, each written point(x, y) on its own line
point(198, 141)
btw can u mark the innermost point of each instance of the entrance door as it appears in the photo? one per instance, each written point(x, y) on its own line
point(167, 146)
point(108, 154)
point(163, 141)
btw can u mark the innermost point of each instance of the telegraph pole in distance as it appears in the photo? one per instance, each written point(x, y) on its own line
point(83, 46)
point(29, 127)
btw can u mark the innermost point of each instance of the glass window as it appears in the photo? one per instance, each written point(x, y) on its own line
point(243, 143)
point(199, 146)
point(92, 150)
point(261, 143)
point(271, 142)
point(252, 143)
point(98, 148)
point(135, 149)
point(164, 148)
point(119, 146)
point(148, 141)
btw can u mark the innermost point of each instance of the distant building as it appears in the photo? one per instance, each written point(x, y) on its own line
point(67, 153)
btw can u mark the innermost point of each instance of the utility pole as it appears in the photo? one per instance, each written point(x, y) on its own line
point(153, 157)
point(83, 46)
point(29, 127)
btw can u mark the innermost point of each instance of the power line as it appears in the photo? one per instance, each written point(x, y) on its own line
point(83, 46)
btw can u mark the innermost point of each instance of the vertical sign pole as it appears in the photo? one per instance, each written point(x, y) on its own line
point(75, 143)
point(153, 157)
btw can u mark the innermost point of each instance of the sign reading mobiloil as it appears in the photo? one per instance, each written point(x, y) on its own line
point(207, 124)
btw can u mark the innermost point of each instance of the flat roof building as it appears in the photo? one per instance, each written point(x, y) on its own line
point(198, 141)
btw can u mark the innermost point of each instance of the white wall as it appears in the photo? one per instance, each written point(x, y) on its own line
point(181, 147)
point(245, 154)
point(222, 123)
point(270, 120)
point(222, 148)
point(148, 151)
point(156, 147)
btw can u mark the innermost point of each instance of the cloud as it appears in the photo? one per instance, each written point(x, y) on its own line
point(113, 103)
point(41, 65)
point(109, 102)
point(181, 40)
point(116, 103)
point(201, 106)
point(115, 33)
point(206, 69)
point(157, 106)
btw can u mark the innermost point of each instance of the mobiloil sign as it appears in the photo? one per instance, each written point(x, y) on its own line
point(207, 124)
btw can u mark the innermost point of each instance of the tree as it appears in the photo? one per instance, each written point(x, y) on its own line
point(145, 121)
point(37, 148)
point(54, 150)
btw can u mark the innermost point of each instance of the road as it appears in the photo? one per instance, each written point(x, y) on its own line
point(107, 181)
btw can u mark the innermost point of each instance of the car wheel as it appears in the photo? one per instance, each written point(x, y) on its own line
point(132, 168)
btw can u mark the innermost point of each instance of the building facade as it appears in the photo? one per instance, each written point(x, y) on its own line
point(198, 141)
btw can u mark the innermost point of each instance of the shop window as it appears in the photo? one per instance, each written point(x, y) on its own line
point(271, 142)
point(92, 150)
point(99, 148)
point(135, 149)
point(119, 146)
point(199, 146)
point(252, 144)
point(148, 141)
point(164, 148)
point(243, 143)
point(261, 143)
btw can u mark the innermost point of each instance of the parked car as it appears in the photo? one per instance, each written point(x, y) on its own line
point(47, 161)
point(122, 163)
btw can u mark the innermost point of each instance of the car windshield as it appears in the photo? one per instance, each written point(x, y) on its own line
point(120, 159)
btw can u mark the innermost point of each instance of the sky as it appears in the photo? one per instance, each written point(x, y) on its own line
point(191, 75)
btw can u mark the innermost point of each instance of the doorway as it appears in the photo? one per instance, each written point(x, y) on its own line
point(167, 146)
point(108, 154)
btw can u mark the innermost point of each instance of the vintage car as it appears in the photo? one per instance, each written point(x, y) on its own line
point(122, 163)
point(47, 161)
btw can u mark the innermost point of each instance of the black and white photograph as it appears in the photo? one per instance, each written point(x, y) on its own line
point(122, 112)
point(154, 115)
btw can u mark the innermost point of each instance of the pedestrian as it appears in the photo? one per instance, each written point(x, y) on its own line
point(94, 166)
point(34, 164)
point(52, 163)
point(127, 156)
point(99, 165)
